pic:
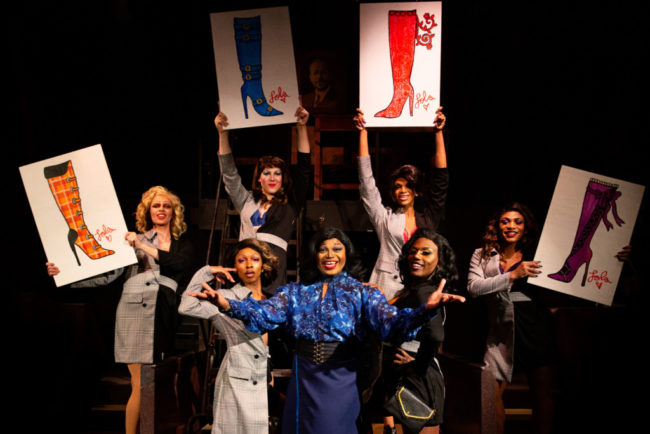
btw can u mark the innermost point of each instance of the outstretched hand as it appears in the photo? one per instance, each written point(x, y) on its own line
point(359, 121)
point(440, 120)
point(220, 273)
point(212, 296)
point(438, 297)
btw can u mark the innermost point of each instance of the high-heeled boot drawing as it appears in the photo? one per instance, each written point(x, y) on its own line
point(402, 30)
point(248, 38)
point(65, 190)
point(600, 197)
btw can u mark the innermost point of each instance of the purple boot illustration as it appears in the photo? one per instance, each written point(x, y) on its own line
point(600, 197)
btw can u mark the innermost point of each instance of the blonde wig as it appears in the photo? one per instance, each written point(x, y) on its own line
point(143, 216)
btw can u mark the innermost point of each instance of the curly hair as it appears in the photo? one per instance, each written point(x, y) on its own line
point(414, 180)
point(270, 262)
point(309, 272)
point(446, 268)
point(492, 239)
point(143, 216)
point(264, 163)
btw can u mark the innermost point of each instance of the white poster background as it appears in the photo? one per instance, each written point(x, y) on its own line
point(559, 234)
point(279, 78)
point(375, 73)
point(101, 213)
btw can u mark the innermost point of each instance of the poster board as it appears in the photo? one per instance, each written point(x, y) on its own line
point(77, 214)
point(399, 63)
point(256, 68)
point(590, 219)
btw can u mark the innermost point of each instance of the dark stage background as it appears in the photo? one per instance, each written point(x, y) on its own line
point(526, 87)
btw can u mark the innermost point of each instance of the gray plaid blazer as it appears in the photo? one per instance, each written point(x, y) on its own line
point(136, 311)
point(240, 394)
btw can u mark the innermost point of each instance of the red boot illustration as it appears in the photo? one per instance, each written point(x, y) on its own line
point(402, 29)
point(600, 197)
point(403, 37)
point(63, 185)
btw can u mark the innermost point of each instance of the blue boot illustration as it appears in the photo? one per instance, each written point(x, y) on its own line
point(248, 38)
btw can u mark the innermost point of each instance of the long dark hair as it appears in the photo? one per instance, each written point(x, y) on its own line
point(446, 268)
point(309, 272)
point(492, 237)
point(270, 262)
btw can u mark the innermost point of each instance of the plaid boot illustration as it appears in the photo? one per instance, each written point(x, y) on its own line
point(63, 185)
point(600, 197)
point(248, 40)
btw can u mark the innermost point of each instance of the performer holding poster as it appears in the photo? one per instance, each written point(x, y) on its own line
point(146, 318)
point(520, 334)
point(413, 204)
point(268, 212)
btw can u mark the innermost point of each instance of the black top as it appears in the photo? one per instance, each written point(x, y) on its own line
point(429, 212)
point(432, 333)
point(280, 218)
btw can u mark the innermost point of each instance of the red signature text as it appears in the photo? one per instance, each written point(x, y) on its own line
point(598, 279)
point(423, 100)
point(104, 233)
point(280, 95)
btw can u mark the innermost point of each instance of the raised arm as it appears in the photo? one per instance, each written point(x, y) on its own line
point(439, 175)
point(231, 179)
point(360, 124)
point(302, 116)
point(220, 122)
point(301, 176)
point(193, 306)
point(368, 190)
point(262, 316)
point(396, 325)
point(440, 156)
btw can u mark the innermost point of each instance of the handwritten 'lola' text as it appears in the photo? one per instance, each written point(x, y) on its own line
point(104, 233)
point(598, 279)
point(423, 100)
point(280, 95)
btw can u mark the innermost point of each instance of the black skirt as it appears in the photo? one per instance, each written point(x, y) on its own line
point(427, 381)
point(534, 336)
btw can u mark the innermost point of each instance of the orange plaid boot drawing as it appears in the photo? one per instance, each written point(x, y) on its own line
point(63, 185)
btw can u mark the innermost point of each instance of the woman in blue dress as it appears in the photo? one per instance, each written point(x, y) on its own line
point(328, 313)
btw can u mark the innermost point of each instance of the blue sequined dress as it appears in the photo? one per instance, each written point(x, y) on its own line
point(323, 398)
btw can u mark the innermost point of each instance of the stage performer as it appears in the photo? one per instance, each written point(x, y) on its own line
point(240, 392)
point(413, 205)
point(328, 313)
point(426, 260)
point(147, 314)
point(269, 211)
point(521, 336)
